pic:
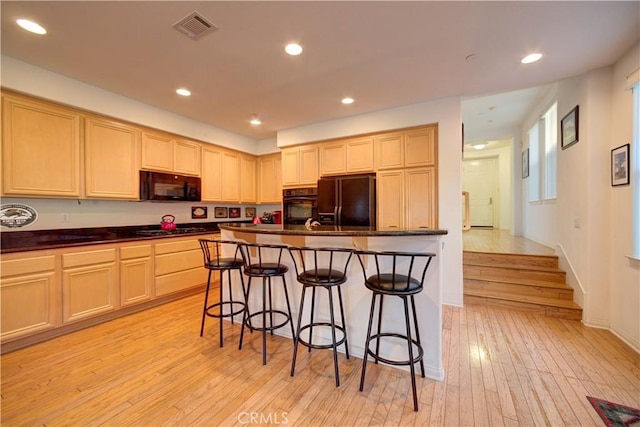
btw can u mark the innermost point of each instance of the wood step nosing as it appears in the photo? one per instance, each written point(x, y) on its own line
point(518, 267)
point(515, 298)
point(538, 283)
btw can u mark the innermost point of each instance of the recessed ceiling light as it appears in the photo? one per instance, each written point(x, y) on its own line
point(183, 92)
point(531, 58)
point(255, 120)
point(479, 146)
point(347, 100)
point(31, 26)
point(293, 49)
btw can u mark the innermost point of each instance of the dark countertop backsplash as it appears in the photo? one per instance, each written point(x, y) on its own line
point(20, 241)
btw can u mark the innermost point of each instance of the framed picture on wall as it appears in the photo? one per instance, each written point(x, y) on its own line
point(569, 128)
point(234, 212)
point(525, 163)
point(220, 212)
point(620, 166)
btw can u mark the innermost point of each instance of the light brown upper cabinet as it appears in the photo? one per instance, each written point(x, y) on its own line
point(270, 178)
point(407, 198)
point(248, 165)
point(111, 159)
point(300, 166)
point(163, 152)
point(220, 174)
point(353, 155)
point(407, 148)
point(40, 148)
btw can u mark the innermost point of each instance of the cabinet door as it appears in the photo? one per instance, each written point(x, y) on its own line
point(420, 147)
point(186, 157)
point(390, 199)
point(270, 179)
point(421, 197)
point(231, 176)
point(89, 284)
point(40, 149)
point(333, 158)
point(28, 296)
point(290, 166)
point(309, 166)
point(359, 155)
point(111, 160)
point(157, 152)
point(248, 179)
point(211, 174)
point(136, 274)
point(390, 151)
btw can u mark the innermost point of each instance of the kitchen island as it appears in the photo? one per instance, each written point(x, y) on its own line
point(357, 298)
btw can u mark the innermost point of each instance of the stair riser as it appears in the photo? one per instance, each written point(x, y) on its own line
point(504, 274)
point(502, 288)
point(492, 258)
point(562, 313)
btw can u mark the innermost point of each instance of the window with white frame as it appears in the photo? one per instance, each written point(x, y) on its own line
point(543, 153)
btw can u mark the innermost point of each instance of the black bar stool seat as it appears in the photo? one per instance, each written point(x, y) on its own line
point(399, 282)
point(326, 268)
point(258, 261)
point(212, 251)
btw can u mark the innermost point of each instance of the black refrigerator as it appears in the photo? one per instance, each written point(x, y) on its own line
point(347, 200)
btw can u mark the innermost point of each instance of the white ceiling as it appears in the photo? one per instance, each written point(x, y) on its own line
point(384, 54)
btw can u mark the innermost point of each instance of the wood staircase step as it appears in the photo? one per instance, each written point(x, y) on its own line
point(523, 288)
point(547, 306)
point(524, 282)
point(513, 271)
point(506, 258)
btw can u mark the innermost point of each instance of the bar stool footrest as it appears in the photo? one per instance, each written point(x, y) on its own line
point(221, 305)
point(318, 324)
point(268, 314)
point(372, 353)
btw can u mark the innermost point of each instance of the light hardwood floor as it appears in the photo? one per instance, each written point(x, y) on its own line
point(500, 241)
point(152, 369)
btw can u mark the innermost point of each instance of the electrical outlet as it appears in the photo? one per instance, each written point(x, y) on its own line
point(64, 217)
point(576, 222)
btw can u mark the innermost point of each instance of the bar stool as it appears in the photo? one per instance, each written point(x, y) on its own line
point(394, 276)
point(326, 268)
point(212, 251)
point(265, 261)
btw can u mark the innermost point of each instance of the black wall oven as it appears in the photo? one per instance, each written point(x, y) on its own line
point(299, 204)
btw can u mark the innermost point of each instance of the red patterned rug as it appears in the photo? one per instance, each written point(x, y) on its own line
point(615, 415)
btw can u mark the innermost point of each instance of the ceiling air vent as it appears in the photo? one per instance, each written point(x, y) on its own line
point(194, 26)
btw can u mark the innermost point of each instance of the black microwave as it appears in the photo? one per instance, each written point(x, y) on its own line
point(169, 187)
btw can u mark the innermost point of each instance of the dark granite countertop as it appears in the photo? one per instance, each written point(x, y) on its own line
point(22, 241)
point(329, 230)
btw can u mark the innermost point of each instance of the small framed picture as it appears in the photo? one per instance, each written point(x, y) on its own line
point(525, 163)
point(620, 166)
point(198, 212)
point(569, 128)
point(249, 212)
point(234, 212)
point(220, 212)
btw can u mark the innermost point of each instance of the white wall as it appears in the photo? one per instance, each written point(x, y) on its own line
point(596, 249)
point(624, 273)
point(447, 114)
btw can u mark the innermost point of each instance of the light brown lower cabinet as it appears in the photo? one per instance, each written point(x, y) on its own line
point(49, 292)
point(89, 283)
point(29, 294)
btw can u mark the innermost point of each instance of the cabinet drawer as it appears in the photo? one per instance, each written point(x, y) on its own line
point(179, 281)
point(87, 258)
point(179, 246)
point(171, 263)
point(131, 252)
point(28, 265)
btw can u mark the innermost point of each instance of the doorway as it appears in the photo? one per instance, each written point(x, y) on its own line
point(480, 180)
